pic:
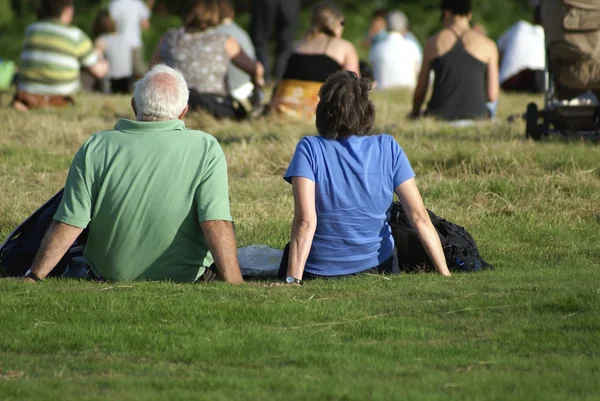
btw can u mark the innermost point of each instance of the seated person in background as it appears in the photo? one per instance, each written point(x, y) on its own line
point(132, 17)
point(465, 64)
point(377, 30)
point(116, 51)
point(321, 53)
point(52, 56)
point(396, 60)
point(343, 183)
point(239, 82)
point(117, 184)
point(523, 56)
point(203, 55)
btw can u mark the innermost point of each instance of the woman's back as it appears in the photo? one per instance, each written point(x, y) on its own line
point(355, 180)
point(201, 57)
point(460, 64)
point(314, 59)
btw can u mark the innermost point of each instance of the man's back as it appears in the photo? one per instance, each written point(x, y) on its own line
point(52, 56)
point(146, 186)
point(395, 62)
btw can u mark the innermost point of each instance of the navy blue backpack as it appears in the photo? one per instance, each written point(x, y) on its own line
point(21, 246)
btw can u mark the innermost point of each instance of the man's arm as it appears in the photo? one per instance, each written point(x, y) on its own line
point(56, 243)
point(100, 69)
point(221, 242)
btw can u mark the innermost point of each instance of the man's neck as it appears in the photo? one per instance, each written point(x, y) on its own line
point(227, 21)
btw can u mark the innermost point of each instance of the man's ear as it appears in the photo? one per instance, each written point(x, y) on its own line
point(133, 107)
point(184, 112)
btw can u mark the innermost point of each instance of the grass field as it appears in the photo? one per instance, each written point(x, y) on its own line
point(527, 331)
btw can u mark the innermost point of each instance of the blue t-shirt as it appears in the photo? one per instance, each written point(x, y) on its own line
point(355, 180)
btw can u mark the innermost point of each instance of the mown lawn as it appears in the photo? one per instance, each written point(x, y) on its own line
point(527, 331)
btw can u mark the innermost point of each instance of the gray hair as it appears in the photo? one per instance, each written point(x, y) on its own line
point(397, 22)
point(162, 94)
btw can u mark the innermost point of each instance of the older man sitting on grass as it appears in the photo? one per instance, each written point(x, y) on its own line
point(154, 194)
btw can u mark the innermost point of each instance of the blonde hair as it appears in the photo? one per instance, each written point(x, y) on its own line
point(325, 17)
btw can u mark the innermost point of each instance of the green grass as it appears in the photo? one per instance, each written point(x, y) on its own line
point(527, 331)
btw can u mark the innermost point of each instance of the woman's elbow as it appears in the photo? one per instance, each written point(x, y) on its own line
point(305, 223)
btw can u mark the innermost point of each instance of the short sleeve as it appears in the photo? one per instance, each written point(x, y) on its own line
point(144, 11)
point(303, 162)
point(401, 169)
point(212, 194)
point(76, 206)
point(85, 51)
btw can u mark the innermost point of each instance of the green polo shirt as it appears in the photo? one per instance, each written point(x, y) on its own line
point(144, 188)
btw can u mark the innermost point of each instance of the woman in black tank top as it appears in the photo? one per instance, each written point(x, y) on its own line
point(460, 85)
point(463, 84)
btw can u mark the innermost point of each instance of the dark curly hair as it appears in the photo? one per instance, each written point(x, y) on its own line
point(344, 107)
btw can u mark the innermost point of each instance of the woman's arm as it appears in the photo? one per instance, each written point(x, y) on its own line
point(245, 63)
point(423, 79)
point(351, 62)
point(493, 79)
point(412, 203)
point(303, 226)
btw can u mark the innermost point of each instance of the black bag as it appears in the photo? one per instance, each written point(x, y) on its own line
point(459, 246)
point(18, 251)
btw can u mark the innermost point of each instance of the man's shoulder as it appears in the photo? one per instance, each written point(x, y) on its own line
point(52, 28)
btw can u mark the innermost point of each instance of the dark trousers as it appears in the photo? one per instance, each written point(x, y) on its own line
point(531, 81)
point(390, 266)
point(279, 17)
point(217, 105)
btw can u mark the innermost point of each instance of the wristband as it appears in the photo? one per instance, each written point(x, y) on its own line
point(33, 276)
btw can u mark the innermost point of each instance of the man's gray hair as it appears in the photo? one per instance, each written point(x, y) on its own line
point(397, 21)
point(162, 94)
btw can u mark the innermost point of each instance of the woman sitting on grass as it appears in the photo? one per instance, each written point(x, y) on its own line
point(321, 53)
point(343, 183)
point(202, 54)
point(466, 69)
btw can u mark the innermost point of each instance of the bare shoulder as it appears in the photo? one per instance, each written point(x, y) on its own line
point(343, 44)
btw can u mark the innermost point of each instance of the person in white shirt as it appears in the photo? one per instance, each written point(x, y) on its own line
point(132, 17)
point(523, 57)
point(396, 60)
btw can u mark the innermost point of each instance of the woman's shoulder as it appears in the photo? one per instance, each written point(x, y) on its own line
point(343, 44)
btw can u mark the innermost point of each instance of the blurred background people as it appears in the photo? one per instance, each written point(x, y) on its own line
point(116, 51)
point(239, 82)
point(132, 17)
point(277, 18)
point(378, 28)
point(465, 64)
point(52, 56)
point(395, 60)
point(203, 55)
point(320, 53)
point(523, 56)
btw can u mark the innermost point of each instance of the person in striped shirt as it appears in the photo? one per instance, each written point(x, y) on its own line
point(52, 56)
